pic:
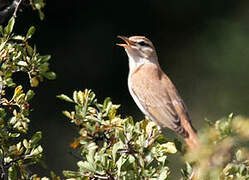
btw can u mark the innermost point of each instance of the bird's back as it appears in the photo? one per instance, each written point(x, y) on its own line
point(157, 97)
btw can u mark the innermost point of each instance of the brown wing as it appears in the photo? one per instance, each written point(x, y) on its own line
point(151, 89)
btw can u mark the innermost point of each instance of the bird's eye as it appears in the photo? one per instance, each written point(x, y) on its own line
point(142, 43)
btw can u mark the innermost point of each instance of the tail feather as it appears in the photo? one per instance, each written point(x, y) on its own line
point(192, 140)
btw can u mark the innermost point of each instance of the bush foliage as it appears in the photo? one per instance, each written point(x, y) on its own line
point(223, 152)
point(18, 152)
point(113, 147)
point(110, 146)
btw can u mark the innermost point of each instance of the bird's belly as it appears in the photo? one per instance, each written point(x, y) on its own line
point(135, 98)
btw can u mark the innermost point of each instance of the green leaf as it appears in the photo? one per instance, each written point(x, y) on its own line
point(30, 32)
point(20, 99)
point(75, 96)
point(65, 98)
point(86, 166)
point(121, 136)
point(80, 97)
point(36, 138)
point(18, 37)
point(67, 114)
point(17, 92)
point(34, 82)
point(12, 173)
point(164, 174)
point(150, 126)
point(26, 144)
point(91, 96)
point(127, 164)
point(43, 68)
point(9, 28)
point(14, 135)
point(22, 63)
point(187, 170)
point(242, 168)
point(29, 50)
point(91, 151)
point(44, 58)
point(106, 102)
point(2, 45)
point(2, 113)
point(41, 15)
point(71, 174)
point(92, 147)
point(169, 147)
point(50, 75)
point(45, 178)
point(29, 95)
point(9, 82)
point(119, 164)
point(13, 120)
point(116, 147)
point(36, 151)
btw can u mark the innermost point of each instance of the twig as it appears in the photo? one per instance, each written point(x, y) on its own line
point(17, 7)
point(100, 177)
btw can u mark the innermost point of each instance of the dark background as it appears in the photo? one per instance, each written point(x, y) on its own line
point(203, 46)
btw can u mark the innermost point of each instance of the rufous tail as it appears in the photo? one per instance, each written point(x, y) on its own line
point(191, 139)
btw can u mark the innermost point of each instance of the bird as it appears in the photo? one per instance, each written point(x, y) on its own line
point(153, 91)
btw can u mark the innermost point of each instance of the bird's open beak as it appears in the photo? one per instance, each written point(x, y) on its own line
point(128, 42)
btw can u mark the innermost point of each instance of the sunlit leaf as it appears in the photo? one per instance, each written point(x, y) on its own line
point(9, 28)
point(2, 45)
point(30, 32)
point(12, 173)
point(86, 166)
point(29, 95)
point(2, 113)
point(29, 50)
point(18, 91)
point(50, 75)
point(18, 37)
point(26, 144)
point(36, 151)
point(36, 138)
point(75, 96)
point(169, 147)
point(65, 98)
point(71, 174)
point(116, 147)
point(34, 82)
point(41, 15)
point(44, 58)
point(163, 175)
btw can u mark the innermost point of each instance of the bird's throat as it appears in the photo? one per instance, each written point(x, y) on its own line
point(135, 63)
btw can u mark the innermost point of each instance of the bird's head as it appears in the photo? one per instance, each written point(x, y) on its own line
point(139, 49)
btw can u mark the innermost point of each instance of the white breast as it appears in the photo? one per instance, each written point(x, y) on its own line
point(135, 98)
point(134, 64)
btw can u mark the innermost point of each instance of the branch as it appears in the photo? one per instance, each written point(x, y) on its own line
point(17, 7)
